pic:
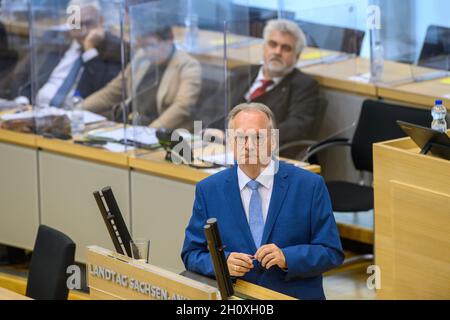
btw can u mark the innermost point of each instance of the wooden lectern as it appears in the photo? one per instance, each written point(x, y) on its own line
point(412, 222)
point(112, 276)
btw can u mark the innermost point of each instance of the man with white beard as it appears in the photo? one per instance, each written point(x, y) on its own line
point(292, 95)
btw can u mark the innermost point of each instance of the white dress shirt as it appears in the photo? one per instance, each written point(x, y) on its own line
point(257, 83)
point(266, 179)
point(61, 71)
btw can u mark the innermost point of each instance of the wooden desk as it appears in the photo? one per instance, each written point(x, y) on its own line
point(71, 149)
point(241, 50)
point(161, 284)
point(6, 294)
point(356, 226)
point(412, 222)
point(242, 288)
point(351, 75)
point(422, 94)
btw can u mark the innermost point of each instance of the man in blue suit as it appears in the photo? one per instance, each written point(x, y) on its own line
point(275, 219)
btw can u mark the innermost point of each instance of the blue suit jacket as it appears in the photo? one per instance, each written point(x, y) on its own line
point(300, 221)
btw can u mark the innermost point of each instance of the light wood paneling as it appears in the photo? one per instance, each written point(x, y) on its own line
point(19, 286)
point(421, 242)
point(171, 283)
point(6, 294)
point(17, 138)
point(403, 178)
point(258, 292)
point(422, 94)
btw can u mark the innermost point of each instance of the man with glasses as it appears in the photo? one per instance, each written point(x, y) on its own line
point(275, 219)
point(92, 59)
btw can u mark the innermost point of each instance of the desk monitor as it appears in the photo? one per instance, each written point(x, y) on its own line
point(428, 140)
point(115, 224)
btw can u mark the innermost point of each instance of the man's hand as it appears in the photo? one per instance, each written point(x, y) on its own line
point(93, 39)
point(270, 255)
point(239, 264)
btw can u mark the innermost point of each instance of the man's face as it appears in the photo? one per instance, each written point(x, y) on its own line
point(252, 138)
point(90, 20)
point(153, 48)
point(279, 54)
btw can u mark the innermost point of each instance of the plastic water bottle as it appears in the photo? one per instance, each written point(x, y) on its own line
point(438, 112)
point(77, 119)
point(377, 62)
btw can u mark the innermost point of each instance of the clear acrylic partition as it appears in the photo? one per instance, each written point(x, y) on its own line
point(76, 49)
point(244, 59)
point(178, 76)
point(431, 38)
point(14, 47)
point(333, 33)
point(414, 39)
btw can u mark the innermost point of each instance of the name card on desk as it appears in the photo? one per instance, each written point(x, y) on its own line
point(112, 276)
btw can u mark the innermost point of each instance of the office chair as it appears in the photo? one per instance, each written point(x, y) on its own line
point(435, 51)
point(257, 19)
point(332, 37)
point(377, 122)
point(53, 253)
point(242, 19)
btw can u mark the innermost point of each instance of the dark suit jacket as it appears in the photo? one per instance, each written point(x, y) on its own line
point(294, 101)
point(96, 73)
point(300, 222)
point(8, 59)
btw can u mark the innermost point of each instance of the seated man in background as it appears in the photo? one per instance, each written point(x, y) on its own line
point(91, 60)
point(291, 95)
point(275, 219)
point(162, 83)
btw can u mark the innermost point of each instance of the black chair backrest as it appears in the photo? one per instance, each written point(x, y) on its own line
point(242, 19)
point(3, 37)
point(332, 37)
point(435, 51)
point(249, 21)
point(8, 57)
point(377, 122)
point(53, 253)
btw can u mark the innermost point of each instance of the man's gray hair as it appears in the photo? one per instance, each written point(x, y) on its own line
point(86, 3)
point(286, 26)
point(252, 106)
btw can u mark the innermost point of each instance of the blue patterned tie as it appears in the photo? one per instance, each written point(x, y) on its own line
point(64, 90)
point(256, 220)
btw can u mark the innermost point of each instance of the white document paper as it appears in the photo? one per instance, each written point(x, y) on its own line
point(219, 158)
point(138, 134)
point(117, 147)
